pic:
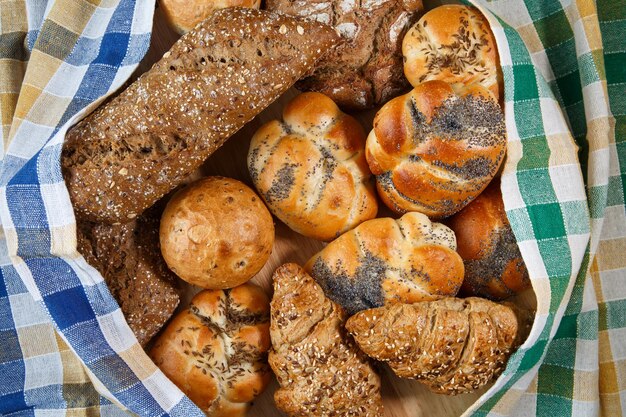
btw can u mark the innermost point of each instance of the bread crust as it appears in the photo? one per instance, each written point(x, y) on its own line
point(216, 350)
point(139, 146)
point(129, 259)
point(386, 261)
point(310, 168)
point(494, 267)
point(452, 43)
point(452, 345)
point(436, 148)
point(216, 233)
point(366, 69)
point(319, 368)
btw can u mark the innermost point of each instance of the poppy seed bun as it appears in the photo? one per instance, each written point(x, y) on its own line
point(216, 233)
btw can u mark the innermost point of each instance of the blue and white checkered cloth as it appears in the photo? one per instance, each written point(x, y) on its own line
point(69, 54)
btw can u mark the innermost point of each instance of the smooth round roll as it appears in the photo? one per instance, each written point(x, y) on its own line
point(436, 148)
point(385, 261)
point(216, 350)
point(310, 168)
point(184, 15)
point(216, 233)
point(494, 267)
point(452, 43)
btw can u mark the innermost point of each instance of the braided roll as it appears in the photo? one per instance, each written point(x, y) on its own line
point(452, 345)
point(385, 261)
point(436, 148)
point(452, 43)
point(311, 170)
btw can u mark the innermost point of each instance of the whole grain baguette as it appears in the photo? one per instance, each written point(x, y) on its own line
point(130, 152)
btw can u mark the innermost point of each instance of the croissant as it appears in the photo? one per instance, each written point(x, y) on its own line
point(321, 371)
point(452, 345)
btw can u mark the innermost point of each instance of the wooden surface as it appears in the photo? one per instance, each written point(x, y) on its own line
point(402, 398)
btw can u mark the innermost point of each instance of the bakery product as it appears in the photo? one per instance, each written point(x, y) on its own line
point(384, 261)
point(184, 15)
point(451, 345)
point(320, 370)
point(216, 233)
point(452, 43)
point(128, 258)
point(436, 148)
point(367, 69)
point(310, 168)
point(494, 267)
point(133, 150)
point(216, 350)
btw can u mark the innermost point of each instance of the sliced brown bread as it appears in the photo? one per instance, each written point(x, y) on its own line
point(129, 258)
point(132, 151)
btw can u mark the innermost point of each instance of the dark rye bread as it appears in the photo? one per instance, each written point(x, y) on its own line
point(129, 258)
point(367, 69)
point(130, 152)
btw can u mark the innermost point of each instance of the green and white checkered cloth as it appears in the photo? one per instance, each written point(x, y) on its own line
point(564, 67)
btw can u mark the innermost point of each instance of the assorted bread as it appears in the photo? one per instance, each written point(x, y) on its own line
point(321, 371)
point(366, 69)
point(452, 43)
point(130, 152)
point(494, 267)
point(382, 289)
point(434, 149)
point(386, 261)
point(451, 345)
point(216, 233)
point(215, 351)
point(310, 168)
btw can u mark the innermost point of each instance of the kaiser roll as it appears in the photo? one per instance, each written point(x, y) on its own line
point(386, 261)
point(494, 267)
point(310, 168)
point(216, 350)
point(216, 233)
point(436, 148)
point(452, 43)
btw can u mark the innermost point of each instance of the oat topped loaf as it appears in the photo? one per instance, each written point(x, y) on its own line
point(321, 371)
point(130, 152)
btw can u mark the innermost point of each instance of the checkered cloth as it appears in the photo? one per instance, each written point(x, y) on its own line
point(65, 348)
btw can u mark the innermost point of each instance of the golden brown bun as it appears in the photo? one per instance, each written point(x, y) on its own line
point(385, 261)
point(452, 43)
point(184, 15)
point(216, 350)
point(311, 170)
point(321, 371)
point(452, 345)
point(494, 267)
point(216, 233)
point(436, 148)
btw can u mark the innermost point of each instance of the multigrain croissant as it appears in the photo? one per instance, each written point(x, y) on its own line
point(452, 345)
point(321, 371)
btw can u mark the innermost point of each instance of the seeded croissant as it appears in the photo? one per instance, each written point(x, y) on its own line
point(321, 371)
point(452, 345)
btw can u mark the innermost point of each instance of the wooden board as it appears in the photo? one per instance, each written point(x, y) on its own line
point(402, 398)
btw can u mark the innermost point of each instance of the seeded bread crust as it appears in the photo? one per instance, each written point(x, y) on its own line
point(129, 258)
point(451, 345)
point(366, 70)
point(321, 371)
point(130, 152)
